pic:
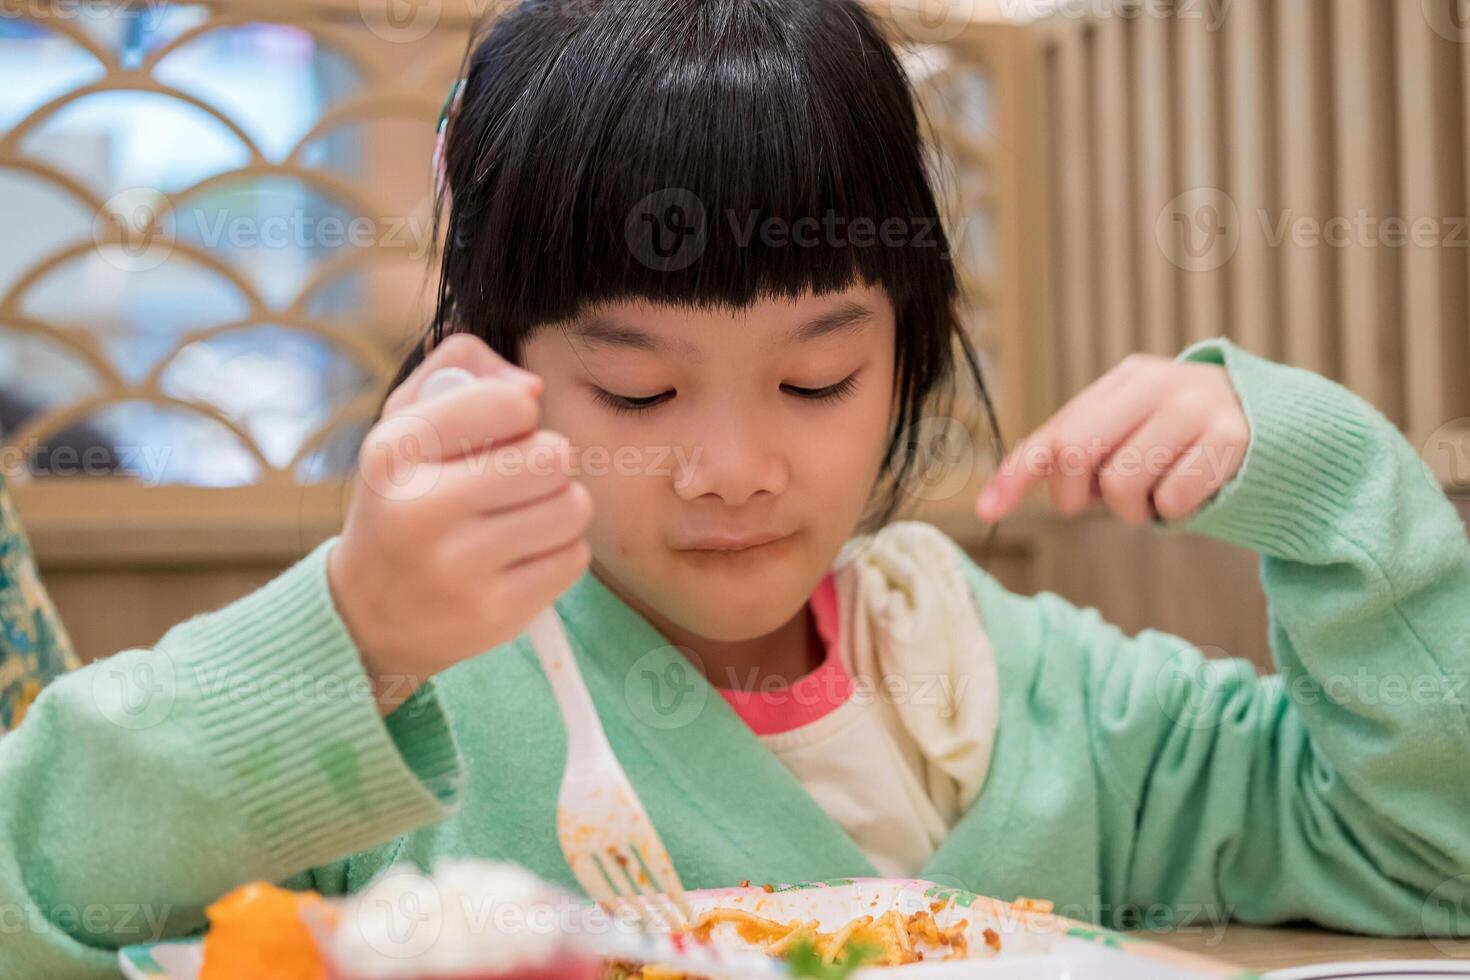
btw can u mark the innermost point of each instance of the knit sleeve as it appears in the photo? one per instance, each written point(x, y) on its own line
point(1338, 789)
point(245, 746)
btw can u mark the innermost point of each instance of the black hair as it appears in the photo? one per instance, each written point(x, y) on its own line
point(607, 150)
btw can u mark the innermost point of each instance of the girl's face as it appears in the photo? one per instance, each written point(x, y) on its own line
point(702, 431)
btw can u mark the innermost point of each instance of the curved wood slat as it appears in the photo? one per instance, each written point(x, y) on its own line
point(82, 343)
point(369, 108)
point(33, 275)
point(330, 271)
point(122, 81)
point(325, 183)
point(346, 44)
point(60, 178)
point(185, 37)
point(359, 409)
point(37, 430)
point(357, 345)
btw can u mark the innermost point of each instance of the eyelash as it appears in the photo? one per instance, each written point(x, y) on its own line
point(635, 406)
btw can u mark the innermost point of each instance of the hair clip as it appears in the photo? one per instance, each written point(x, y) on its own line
point(451, 106)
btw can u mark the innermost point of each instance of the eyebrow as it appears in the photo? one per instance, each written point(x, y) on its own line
point(601, 331)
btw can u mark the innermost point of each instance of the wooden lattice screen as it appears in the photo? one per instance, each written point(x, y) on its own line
point(153, 311)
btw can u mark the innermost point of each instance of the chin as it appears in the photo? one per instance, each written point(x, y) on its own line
point(728, 612)
point(722, 598)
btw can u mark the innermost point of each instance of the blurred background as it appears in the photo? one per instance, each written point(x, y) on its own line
point(215, 219)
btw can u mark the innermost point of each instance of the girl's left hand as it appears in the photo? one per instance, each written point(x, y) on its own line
point(1152, 438)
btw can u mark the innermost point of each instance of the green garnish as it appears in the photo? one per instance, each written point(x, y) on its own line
point(805, 961)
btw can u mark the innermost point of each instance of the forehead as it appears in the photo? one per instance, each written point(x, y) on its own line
point(692, 332)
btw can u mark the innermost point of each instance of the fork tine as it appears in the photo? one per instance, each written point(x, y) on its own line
point(601, 886)
point(671, 920)
point(664, 881)
point(646, 918)
point(641, 887)
point(679, 904)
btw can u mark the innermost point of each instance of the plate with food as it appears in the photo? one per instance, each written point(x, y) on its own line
point(1397, 969)
point(475, 920)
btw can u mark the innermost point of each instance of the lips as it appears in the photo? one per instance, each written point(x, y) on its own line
point(733, 542)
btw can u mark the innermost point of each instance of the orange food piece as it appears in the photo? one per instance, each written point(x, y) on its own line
point(257, 931)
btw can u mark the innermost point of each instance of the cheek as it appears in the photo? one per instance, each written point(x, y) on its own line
point(624, 504)
point(857, 456)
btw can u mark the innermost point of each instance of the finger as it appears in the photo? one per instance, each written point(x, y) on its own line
point(1128, 476)
point(1075, 450)
point(463, 351)
point(500, 478)
point(507, 477)
point(1036, 457)
point(539, 528)
point(1080, 404)
point(1082, 442)
point(541, 578)
point(466, 420)
point(1200, 471)
point(1027, 462)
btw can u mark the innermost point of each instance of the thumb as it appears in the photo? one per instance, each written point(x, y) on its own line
point(471, 359)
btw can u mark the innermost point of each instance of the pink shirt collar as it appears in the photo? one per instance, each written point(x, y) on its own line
point(774, 712)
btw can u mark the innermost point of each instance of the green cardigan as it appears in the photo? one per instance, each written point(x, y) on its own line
point(1131, 781)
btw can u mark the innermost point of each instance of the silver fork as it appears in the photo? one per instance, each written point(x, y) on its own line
point(605, 834)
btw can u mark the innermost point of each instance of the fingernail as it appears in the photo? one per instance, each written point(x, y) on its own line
point(443, 381)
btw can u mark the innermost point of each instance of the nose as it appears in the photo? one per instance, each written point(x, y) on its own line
point(734, 458)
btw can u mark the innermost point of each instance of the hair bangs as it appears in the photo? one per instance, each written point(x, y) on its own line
point(736, 160)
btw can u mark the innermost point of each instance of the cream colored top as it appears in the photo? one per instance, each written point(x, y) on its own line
point(900, 762)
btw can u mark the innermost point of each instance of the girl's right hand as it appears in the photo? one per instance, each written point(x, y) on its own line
point(464, 523)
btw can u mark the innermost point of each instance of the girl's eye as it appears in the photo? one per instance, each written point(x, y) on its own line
point(829, 393)
point(632, 406)
point(629, 406)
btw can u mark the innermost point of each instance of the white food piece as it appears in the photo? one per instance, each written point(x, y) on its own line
point(470, 917)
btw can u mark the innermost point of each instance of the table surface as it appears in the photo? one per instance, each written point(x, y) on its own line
point(1264, 949)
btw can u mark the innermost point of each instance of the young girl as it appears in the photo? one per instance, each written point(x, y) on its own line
point(693, 276)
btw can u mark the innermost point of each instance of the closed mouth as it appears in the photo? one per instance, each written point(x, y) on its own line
point(737, 547)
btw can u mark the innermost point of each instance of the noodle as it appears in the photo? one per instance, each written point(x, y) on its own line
point(897, 938)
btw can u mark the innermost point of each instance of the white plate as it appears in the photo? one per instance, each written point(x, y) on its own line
point(162, 961)
point(1033, 946)
point(1397, 969)
point(181, 961)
